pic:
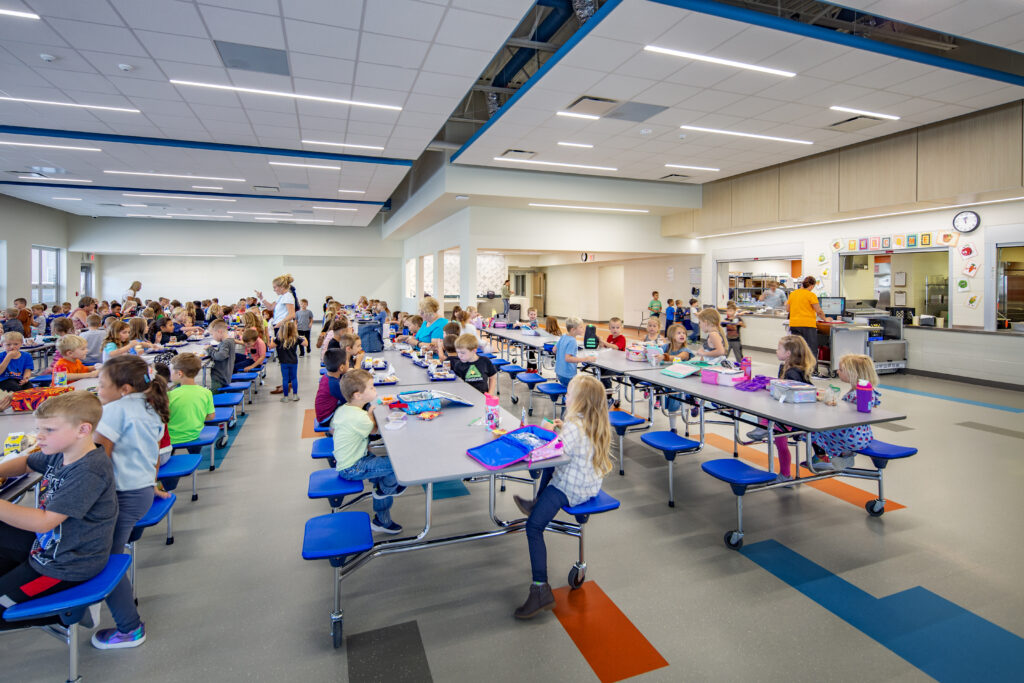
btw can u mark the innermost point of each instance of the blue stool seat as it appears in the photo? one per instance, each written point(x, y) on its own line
point(245, 376)
point(549, 348)
point(179, 465)
point(323, 448)
point(602, 502)
point(322, 429)
point(71, 604)
point(669, 443)
point(881, 452)
point(498, 362)
point(736, 473)
point(205, 438)
point(530, 378)
point(323, 371)
point(41, 380)
point(511, 368)
point(621, 421)
point(227, 400)
point(157, 511)
point(222, 414)
point(336, 535)
point(234, 386)
point(551, 389)
point(327, 484)
point(486, 355)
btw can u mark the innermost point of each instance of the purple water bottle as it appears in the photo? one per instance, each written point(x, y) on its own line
point(746, 366)
point(864, 395)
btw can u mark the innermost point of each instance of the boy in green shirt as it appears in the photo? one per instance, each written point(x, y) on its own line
point(655, 306)
point(191, 404)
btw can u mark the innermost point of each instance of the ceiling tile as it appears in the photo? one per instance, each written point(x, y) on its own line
point(344, 13)
point(619, 87)
point(326, 41)
point(168, 16)
point(380, 75)
point(167, 47)
point(246, 28)
point(403, 18)
point(321, 68)
point(390, 50)
point(456, 61)
point(441, 84)
point(98, 11)
point(86, 36)
point(264, 6)
point(473, 30)
point(512, 9)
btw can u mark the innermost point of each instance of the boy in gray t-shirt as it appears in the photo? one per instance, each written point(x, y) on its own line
point(222, 355)
point(304, 321)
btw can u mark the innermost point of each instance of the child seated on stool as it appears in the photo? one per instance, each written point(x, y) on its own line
point(478, 372)
point(840, 445)
point(448, 346)
point(15, 366)
point(191, 404)
point(675, 348)
point(255, 351)
point(328, 393)
point(60, 327)
point(73, 350)
point(616, 340)
point(586, 434)
point(66, 540)
point(653, 332)
point(566, 349)
point(222, 353)
point(352, 425)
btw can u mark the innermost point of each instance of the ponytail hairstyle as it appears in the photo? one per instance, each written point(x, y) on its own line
point(588, 408)
point(800, 356)
point(286, 281)
point(138, 327)
point(254, 320)
point(289, 334)
point(134, 372)
point(551, 326)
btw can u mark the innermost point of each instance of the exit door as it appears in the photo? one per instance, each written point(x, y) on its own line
point(539, 292)
point(85, 280)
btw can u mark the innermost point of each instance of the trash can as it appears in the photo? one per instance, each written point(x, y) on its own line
point(515, 312)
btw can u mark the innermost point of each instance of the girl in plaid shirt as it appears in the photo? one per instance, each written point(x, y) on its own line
point(586, 434)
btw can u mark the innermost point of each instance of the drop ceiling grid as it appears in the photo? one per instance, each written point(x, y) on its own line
point(715, 96)
point(404, 52)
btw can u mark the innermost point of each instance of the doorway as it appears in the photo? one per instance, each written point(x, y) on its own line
point(540, 282)
point(85, 280)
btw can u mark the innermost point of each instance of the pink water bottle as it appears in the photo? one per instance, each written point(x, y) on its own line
point(492, 413)
point(865, 393)
point(746, 366)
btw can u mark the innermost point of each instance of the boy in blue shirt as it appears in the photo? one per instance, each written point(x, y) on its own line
point(15, 366)
point(670, 315)
point(566, 350)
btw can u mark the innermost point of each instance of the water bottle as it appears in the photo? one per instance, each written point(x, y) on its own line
point(522, 419)
point(492, 412)
point(746, 366)
point(865, 393)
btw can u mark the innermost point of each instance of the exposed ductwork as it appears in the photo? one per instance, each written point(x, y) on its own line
point(493, 104)
point(584, 9)
point(561, 11)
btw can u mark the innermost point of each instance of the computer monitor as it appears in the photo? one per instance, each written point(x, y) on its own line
point(832, 305)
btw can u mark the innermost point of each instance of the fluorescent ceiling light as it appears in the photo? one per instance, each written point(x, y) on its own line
point(353, 191)
point(589, 208)
point(207, 187)
point(692, 168)
point(177, 175)
point(134, 206)
point(259, 213)
point(576, 144)
point(334, 208)
point(54, 180)
point(293, 220)
point(294, 96)
point(34, 144)
point(716, 60)
point(288, 163)
point(556, 163)
point(144, 215)
point(20, 15)
point(341, 144)
point(574, 115)
point(192, 255)
point(746, 135)
point(197, 215)
point(176, 196)
point(70, 104)
point(872, 114)
point(67, 199)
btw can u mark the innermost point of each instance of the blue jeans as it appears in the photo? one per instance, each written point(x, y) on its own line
point(290, 376)
point(564, 381)
point(376, 470)
point(545, 506)
point(506, 302)
point(131, 506)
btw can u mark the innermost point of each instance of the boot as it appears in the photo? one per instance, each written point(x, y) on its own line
point(525, 506)
point(540, 598)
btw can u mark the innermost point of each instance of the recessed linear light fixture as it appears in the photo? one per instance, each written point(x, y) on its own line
point(556, 163)
point(54, 180)
point(576, 144)
point(176, 196)
point(341, 144)
point(294, 96)
point(333, 208)
point(190, 255)
point(19, 15)
point(574, 115)
point(66, 199)
point(352, 191)
point(145, 215)
point(874, 115)
point(33, 144)
point(135, 206)
point(259, 213)
point(716, 60)
point(199, 215)
point(589, 208)
point(207, 187)
point(693, 168)
point(293, 220)
point(177, 175)
point(288, 163)
point(70, 104)
point(746, 135)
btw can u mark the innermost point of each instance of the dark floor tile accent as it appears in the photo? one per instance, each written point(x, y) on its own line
point(893, 427)
point(992, 429)
point(393, 654)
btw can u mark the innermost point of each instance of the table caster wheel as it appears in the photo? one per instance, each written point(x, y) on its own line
point(195, 497)
point(337, 635)
point(577, 575)
point(222, 442)
point(875, 508)
point(733, 539)
point(530, 412)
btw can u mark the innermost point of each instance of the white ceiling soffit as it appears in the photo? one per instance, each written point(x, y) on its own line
point(419, 55)
point(995, 22)
point(610, 61)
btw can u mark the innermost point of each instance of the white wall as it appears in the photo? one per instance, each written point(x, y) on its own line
point(610, 285)
point(23, 224)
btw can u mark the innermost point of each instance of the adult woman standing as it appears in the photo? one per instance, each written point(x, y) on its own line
point(132, 292)
point(86, 307)
point(804, 314)
point(432, 330)
point(284, 307)
point(506, 294)
point(773, 297)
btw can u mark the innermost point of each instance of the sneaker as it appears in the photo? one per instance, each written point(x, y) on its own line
point(782, 478)
point(617, 404)
point(295, 397)
point(112, 639)
point(694, 411)
point(757, 434)
point(390, 528)
point(820, 463)
point(842, 462)
point(379, 495)
point(525, 506)
point(286, 399)
point(539, 599)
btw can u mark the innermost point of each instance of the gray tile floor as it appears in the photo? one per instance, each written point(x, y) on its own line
point(231, 600)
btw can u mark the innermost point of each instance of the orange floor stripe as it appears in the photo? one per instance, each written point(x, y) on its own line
point(308, 423)
point(833, 487)
point(606, 638)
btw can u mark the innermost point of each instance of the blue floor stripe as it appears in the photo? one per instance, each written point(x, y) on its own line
point(944, 640)
point(954, 399)
point(448, 489)
point(223, 452)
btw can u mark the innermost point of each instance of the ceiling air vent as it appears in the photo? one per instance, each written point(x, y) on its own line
point(518, 154)
point(676, 177)
point(265, 188)
point(854, 124)
point(253, 58)
point(595, 106)
point(295, 186)
point(28, 174)
point(635, 111)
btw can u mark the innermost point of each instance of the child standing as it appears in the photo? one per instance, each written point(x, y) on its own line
point(654, 306)
point(15, 366)
point(710, 324)
point(733, 322)
point(191, 405)
point(135, 409)
point(288, 347)
point(72, 350)
point(478, 372)
point(670, 314)
point(66, 540)
point(304, 324)
point(566, 349)
point(222, 353)
point(586, 434)
point(692, 317)
point(352, 425)
point(840, 445)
